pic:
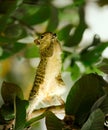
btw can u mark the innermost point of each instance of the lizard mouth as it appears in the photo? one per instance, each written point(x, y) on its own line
point(36, 41)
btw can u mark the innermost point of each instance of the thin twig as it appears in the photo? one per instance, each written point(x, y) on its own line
point(55, 109)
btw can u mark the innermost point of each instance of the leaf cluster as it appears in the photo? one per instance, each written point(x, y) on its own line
point(86, 106)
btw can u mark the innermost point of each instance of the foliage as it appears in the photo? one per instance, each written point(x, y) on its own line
point(86, 106)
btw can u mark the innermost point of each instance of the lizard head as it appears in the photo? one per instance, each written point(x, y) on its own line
point(45, 39)
point(48, 44)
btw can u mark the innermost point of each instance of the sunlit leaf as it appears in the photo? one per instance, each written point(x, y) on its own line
point(32, 51)
point(83, 95)
point(95, 121)
point(52, 122)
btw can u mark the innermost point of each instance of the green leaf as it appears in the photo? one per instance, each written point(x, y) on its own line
point(14, 32)
point(20, 119)
point(32, 51)
point(7, 7)
point(53, 20)
point(96, 41)
point(34, 17)
point(95, 121)
point(63, 34)
point(35, 119)
point(3, 39)
point(52, 122)
point(3, 21)
point(94, 54)
point(102, 2)
point(11, 49)
point(6, 113)
point(25, 11)
point(83, 95)
point(101, 103)
point(75, 72)
point(79, 2)
point(104, 68)
point(9, 91)
point(75, 39)
point(1, 51)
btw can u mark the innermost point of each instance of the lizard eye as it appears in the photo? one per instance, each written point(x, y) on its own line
point(54, 35)
point(42, 36)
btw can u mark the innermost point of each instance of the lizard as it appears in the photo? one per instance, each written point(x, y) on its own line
point(48, 84)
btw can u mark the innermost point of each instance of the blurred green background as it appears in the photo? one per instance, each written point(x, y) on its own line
point(21, 21)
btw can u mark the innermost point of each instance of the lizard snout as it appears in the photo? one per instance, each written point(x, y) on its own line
point(37, 42)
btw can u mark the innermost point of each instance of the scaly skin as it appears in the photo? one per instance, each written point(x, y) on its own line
point(48, 84)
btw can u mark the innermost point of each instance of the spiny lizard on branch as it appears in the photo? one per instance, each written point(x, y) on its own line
point(48, 85)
